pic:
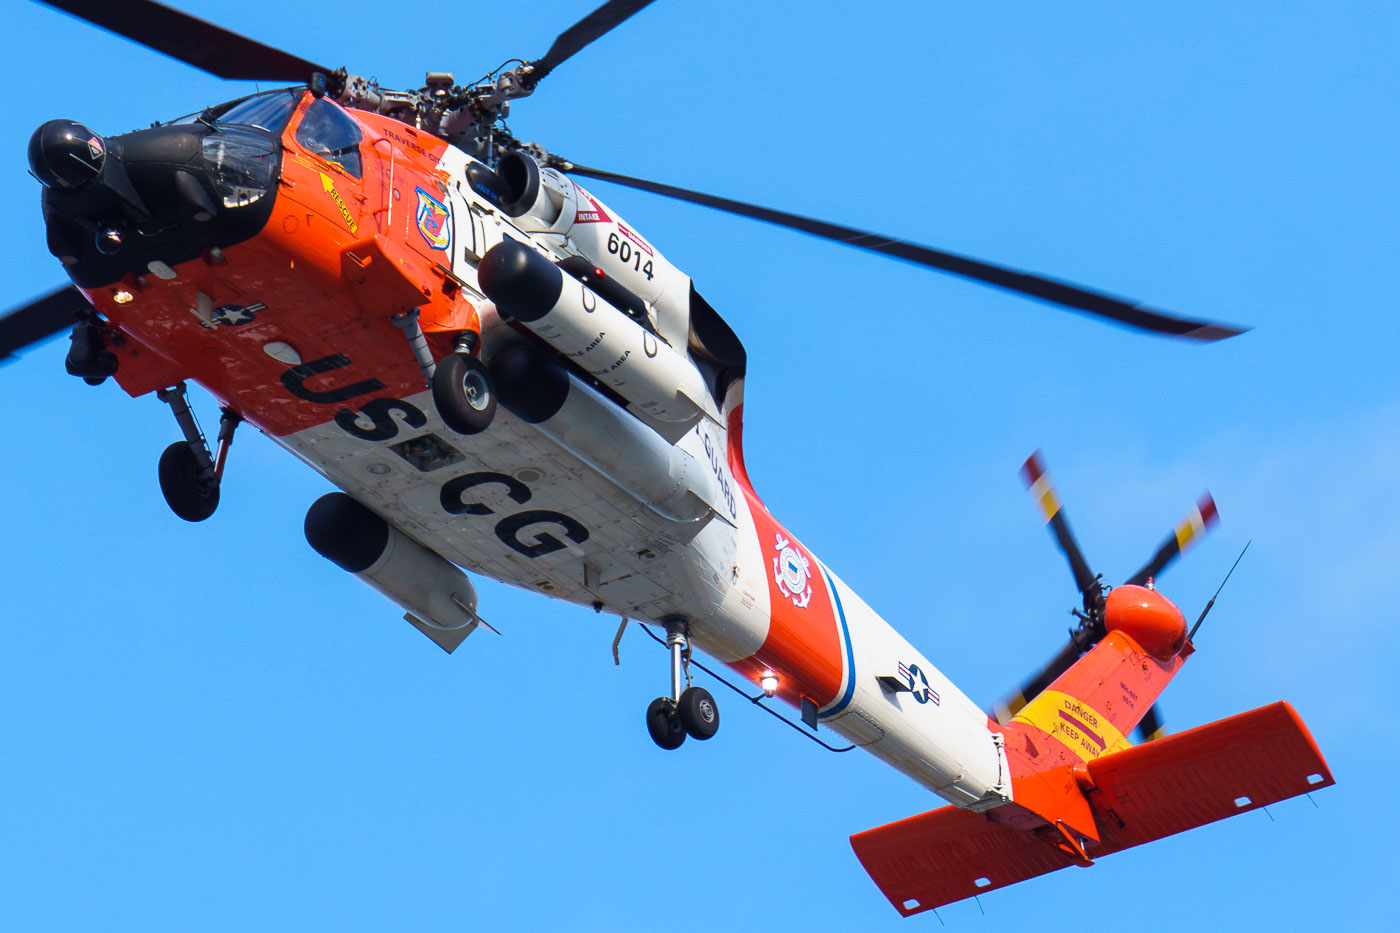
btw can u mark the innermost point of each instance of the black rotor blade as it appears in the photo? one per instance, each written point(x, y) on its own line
point(1038, 482)
point(585, 31)
point(214, 49)
point(1033, 686)
point(43, 317)
point(1199, 520)
point(1122, 310)
point(1151, 726)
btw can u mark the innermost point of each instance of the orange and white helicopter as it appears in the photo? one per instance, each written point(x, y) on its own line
point(500, 373)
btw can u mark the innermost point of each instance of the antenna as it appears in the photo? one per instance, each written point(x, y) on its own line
point(1192, 634)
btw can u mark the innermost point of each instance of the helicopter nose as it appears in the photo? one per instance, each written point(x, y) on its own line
point(151, 198)
point(66, 154)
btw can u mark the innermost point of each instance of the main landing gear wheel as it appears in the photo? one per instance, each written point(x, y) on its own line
point(462, 393)
point(664, 723)
point(698, 713)
point(689, 711)
point(189, 493)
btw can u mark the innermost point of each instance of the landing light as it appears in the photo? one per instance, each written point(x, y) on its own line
point(121, 296)
point(769, 683)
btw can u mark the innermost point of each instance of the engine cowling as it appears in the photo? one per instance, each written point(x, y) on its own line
point(545, 200)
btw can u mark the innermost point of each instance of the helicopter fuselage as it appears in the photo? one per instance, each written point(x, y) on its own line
point(629, 496)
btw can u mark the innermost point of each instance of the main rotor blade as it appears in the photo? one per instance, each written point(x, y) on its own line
point(585, 31)
point(214, 49)
point(1074, 297)
point(41, 318)
point(1043, 492)
point(1202, 517)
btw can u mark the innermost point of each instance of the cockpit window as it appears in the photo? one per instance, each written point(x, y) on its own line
point(332, 134)
point(269, 111)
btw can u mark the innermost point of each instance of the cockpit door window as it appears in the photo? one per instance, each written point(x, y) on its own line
point(332, 134)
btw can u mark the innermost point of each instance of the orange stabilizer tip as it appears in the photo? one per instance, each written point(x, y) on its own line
point(1152, 620)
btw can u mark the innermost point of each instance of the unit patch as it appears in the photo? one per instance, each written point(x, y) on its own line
point(792, 572)
point(434, 221)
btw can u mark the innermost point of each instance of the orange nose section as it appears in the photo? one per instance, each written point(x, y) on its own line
point(1148, 617)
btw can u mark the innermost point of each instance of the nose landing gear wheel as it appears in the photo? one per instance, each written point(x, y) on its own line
point(664, 723)
point(698, 713)
point(462, 393)
point(187, 491)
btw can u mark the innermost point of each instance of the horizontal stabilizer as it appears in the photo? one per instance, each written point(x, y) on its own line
point(1139, 794)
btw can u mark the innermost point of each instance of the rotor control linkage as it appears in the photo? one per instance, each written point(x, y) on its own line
point(689, 710)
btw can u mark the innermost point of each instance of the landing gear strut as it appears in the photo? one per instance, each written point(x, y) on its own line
point(687, 711)
point(189, 473)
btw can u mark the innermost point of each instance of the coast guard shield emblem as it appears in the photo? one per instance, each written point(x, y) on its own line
point(792, 573)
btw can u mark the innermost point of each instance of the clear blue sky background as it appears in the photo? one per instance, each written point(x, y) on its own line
point(211, 727)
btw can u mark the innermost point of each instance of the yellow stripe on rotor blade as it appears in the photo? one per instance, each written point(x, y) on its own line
point(1045, 497)
point(1186, 532)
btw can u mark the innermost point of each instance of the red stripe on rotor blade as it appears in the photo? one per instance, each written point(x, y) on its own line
point(1032, 469)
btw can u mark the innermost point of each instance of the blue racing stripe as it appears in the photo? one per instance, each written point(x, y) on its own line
point(840, 705)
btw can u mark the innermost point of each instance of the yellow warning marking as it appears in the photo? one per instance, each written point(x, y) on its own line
point(1184, 534)
point(1045, 497)
point(1193, 525)
point(1077, 725)
point(328, 184)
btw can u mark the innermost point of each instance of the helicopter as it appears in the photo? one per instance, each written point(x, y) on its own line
point(420, 388)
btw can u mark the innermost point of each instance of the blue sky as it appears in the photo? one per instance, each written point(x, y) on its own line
point(211, 727)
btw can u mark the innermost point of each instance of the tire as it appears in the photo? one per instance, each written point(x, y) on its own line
point(699, 713)
point(463, 393)
point(664, 723)
point(187, 493)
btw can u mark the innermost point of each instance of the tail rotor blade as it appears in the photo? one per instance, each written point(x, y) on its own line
point(1197, 522)
point(1031, 688)
point(1151, 727)
point(1043, 492)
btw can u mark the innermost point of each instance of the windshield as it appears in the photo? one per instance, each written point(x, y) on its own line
point(268, 111)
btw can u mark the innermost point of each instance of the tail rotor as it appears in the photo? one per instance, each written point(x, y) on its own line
point(1090, 628)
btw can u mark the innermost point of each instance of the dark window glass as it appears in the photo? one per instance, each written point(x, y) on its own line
point(331, 133)
point(242, 163)
point(269, 111)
